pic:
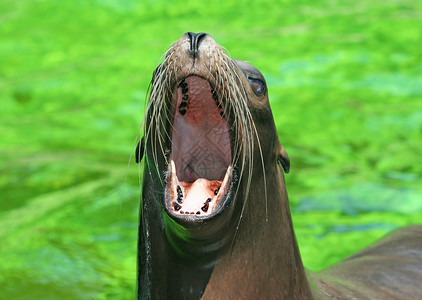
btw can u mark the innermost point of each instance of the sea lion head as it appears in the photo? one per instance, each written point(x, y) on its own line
point(209, 132)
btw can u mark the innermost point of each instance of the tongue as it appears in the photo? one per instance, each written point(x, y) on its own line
point(200, 197)
point(198, 192)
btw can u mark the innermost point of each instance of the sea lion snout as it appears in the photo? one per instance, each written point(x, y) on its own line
point(213, 109)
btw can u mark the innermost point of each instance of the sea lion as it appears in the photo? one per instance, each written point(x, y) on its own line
point(214, 218)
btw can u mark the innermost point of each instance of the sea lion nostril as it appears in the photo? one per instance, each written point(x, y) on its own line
point(195, 40)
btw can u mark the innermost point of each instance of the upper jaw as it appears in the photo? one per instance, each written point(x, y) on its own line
point(199, 176)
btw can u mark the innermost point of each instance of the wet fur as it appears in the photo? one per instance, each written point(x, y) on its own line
point(264, 260)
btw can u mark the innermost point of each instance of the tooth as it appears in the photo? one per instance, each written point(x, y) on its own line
point(205, 207)
point(179, 194)
point(174, 178)
point(176, 206)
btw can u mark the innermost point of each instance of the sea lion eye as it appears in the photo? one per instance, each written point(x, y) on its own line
point(258, 86)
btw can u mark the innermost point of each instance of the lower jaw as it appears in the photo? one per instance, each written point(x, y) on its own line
point(199, 200)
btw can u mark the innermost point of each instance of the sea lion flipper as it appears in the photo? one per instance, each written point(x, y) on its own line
point(139, 152)
point(284, 160)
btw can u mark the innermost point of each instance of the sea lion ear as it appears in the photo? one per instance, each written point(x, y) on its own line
point(283, 159)
point(139, 152)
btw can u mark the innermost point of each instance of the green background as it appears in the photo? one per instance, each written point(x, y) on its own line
point(345, 84)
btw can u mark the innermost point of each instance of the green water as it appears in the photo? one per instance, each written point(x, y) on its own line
point(345, 82)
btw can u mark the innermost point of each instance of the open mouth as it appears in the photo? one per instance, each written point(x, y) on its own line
point(200, 163)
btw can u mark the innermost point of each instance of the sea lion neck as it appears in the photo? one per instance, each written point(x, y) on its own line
point(265, 261)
